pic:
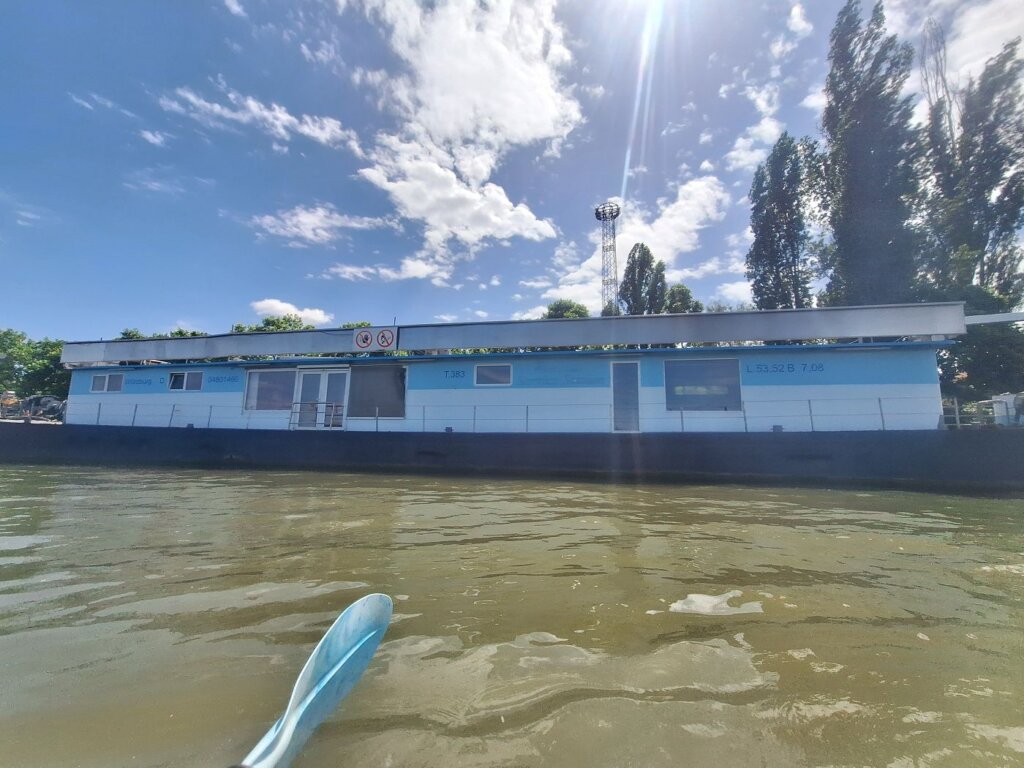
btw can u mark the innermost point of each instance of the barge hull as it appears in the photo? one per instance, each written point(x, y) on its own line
point(979, 461)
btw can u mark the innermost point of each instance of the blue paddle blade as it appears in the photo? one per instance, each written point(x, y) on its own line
point(337, 663)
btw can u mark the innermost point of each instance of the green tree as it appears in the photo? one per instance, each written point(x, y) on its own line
point(989, 359)
point(565, 308)
point(679, 299)
point(869, 174)
point(642, 290)
point(14, 352)
point(777, 263)
point(44, 373)
point(611, 309)
point(268, 324)
point(131, 334)
point(974, 167)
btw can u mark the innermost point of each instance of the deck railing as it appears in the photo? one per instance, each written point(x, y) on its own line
point(793, 415)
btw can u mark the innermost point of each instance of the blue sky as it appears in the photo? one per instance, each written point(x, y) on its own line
point(204, 163)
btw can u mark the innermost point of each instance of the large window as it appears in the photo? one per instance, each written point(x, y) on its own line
point(493, 375)
point(702, 385)
point(377, 390)
point(270, 390)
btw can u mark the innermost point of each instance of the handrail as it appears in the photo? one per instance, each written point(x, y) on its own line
point(791, 414)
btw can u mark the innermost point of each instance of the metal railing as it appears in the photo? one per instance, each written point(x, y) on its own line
point(791, 415)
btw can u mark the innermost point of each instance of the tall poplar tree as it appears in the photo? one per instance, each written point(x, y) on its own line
point(643, 288)
point(974, 165)
point(777, 264)
point(869, 174)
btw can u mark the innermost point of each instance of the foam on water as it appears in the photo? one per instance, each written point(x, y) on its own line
point(715, 605)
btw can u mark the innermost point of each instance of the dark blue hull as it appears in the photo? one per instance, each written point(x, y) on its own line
point(979, 461)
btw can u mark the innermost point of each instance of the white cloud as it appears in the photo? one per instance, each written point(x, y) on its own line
point(235, 7)
point(446, 318)
point(713, 266)
point(734, 293)
point(350, 272)
point(318, 224)
point(979, 32)
point(781, 46)
point(740, 240)
point(156, 138)
point(765, 98)
point(815, 99)
point(750, 149)
point(93, 100)
point(424, 186)
point(533, 313)
point(27, 218)
point(410, 268)
point(744, 156)
point(798, 23)
point(706, 166)
point(536, 283)
point(705, 137)
point(479, 80)
point(272, 119)
point(159, 180)
point(481, 314)
point(593, 91)
point(278, 308)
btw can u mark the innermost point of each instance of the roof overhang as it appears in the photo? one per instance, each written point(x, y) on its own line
point(919, 321)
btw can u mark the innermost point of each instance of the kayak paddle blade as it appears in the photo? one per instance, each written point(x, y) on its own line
point(337, 663)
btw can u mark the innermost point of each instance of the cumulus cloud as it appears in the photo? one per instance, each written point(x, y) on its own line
point(278, 308)
point(273, 119)
point(713, 266)
point(751, 147)
point(318, 224)
point(797, 21)
point(478, 80)
point(737, 292)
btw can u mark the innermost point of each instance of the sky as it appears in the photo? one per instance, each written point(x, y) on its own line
point(199, 164)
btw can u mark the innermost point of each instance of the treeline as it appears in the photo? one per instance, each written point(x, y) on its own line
point(879, 210)
point(30, 367)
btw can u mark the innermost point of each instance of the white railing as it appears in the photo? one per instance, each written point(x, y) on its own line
point(796, 415)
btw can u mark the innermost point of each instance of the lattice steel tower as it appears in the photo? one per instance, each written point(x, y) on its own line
point(606, 213)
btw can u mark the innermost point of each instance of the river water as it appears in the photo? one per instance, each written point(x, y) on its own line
point(159, 618)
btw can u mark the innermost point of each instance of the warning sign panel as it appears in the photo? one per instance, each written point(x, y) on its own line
point(375, 339)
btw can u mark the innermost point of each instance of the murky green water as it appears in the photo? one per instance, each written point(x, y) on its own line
point(159, 619)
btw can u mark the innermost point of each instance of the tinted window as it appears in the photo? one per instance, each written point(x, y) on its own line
point(177, 381)
point(493, 374)
point(99, 384)
point(270, 390)
point(702, 385)
point(194, 381)
point(377, 390)
point(115, 382)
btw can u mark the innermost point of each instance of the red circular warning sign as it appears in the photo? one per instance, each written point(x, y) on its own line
point(385, 338)
point(364, 339)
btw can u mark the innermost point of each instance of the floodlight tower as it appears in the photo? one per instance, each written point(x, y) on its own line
point(606, 213)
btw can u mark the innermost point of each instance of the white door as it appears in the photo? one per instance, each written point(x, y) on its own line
point(321, 399)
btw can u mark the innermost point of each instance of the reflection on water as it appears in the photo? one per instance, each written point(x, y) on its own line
point(159, 619)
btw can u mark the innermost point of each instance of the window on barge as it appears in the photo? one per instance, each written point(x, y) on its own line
point(188, 382)
point(108, 382)
point(377, 390)
point(494, 375)
point(702, 385)
point(269, 390)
